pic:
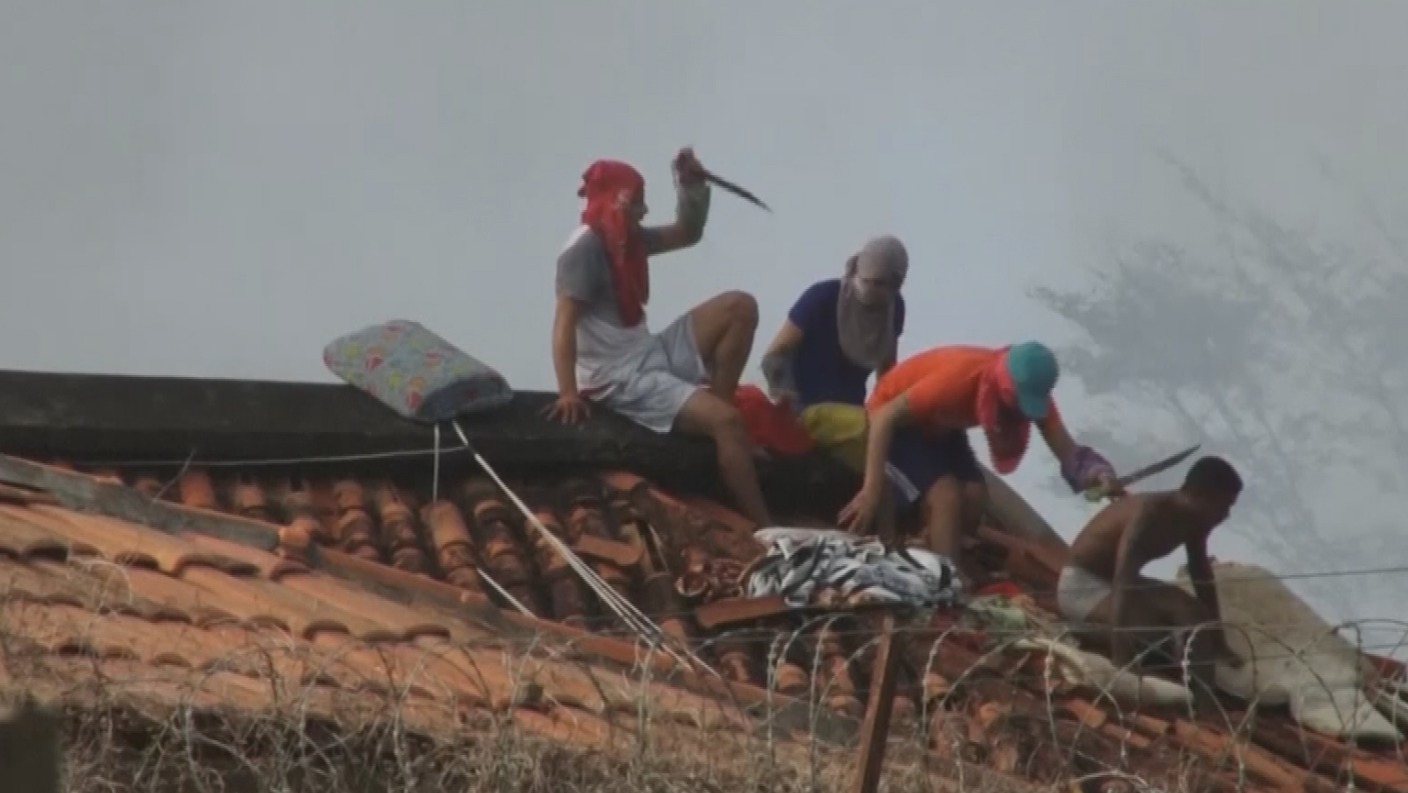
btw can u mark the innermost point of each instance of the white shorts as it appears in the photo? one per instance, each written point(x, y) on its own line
point(652, 385)
point(1078, 592)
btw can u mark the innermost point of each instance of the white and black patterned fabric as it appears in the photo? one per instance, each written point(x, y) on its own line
point(800, 567)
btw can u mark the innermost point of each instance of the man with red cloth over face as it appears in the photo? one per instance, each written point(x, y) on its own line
point(683, 377)
point(919, 416)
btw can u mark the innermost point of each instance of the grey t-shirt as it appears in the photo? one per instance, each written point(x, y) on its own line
point(584, 274)
point(604, 344)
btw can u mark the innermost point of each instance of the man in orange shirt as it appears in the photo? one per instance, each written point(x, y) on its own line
point(920, 413)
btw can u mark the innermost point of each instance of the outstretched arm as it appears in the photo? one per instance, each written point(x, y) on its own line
point(1081, 466)
point(934, 401)
point(815, 304)
point(1205, 587)
point(1054, 432)
point(564, 345)
point(870, 502)
point(1133, 554)
point(581, 270)
point(1200, 572)
point(880, 433)
point(778, 360)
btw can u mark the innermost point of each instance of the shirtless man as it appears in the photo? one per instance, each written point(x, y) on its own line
point(680, 378)
point(1101, 583)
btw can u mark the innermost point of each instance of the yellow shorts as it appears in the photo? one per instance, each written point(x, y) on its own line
point(838, 429)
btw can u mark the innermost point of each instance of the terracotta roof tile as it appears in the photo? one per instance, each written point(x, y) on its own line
point(386, 618)
point(47, 581)
point(22, 537)
point(249, 627)
point(377, 601)
point(127, 544)
point(572, 727)
point(173, 595)
point(251, 561)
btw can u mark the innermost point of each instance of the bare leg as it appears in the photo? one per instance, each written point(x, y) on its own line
point(974, 499)
point(724, 327)
point(707, 414)
point(1157, 611)
point(1144, 613)
point(886, 516)
point(1184, 613)
point(975, 503)
point(944, 525)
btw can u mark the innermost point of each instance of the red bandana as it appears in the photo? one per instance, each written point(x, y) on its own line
point(610, 187)
point(1007, 430)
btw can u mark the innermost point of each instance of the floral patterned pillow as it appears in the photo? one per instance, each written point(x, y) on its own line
point(415, 372)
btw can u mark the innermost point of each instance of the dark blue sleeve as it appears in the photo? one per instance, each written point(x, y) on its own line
point(899, 316)
point(815, 304)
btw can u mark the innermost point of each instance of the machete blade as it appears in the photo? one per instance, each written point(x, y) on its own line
point(741, 192)
point(1158, 467)
point(1097, 493)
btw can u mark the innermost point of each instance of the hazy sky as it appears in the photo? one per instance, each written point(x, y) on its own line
point(218, 189)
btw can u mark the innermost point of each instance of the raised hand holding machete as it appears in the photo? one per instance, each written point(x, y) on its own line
point(690, 170)
point(1098, 493)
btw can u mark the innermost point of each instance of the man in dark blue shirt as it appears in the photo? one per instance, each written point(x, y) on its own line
point(839, 332)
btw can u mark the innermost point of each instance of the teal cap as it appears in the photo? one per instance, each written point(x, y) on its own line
point(1033, 368)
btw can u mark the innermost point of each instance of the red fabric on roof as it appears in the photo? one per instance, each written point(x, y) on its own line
point(770, 425)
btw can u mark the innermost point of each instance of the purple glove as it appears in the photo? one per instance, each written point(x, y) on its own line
point(1083, 466)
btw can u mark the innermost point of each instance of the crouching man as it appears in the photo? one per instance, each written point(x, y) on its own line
point(681, 378)
point(1102, 585)
point(920, 412)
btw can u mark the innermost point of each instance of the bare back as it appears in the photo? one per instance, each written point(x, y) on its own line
point(1096, 548)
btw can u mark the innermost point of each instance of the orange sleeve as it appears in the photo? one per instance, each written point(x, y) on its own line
point(939, 399)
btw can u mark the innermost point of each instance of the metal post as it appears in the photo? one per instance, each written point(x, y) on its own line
point(875, 730)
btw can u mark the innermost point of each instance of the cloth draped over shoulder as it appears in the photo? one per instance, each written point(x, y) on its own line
point(610, 188)
point(865, 315)
point(1008, 432)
